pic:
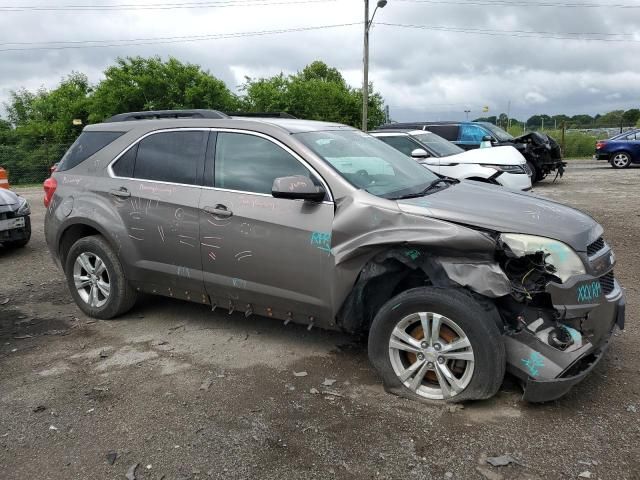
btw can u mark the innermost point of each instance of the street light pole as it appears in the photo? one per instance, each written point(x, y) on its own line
point(365, 79)
point(467, 112)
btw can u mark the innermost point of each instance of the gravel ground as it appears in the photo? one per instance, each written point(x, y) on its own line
point(190, 394)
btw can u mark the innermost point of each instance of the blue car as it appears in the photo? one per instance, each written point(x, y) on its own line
point(620, 151)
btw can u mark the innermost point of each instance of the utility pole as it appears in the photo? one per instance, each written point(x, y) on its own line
point(508, 114)
point(467, 112)
point(365, 80)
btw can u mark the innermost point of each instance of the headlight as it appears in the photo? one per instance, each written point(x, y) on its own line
point(24, 208)
point(563, 258)
point(505, 168)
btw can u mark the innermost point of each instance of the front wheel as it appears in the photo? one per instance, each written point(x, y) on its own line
point(96, 279)
point(620, 160)
point(435, 344)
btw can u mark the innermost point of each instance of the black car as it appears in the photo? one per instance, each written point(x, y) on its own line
point(541, 151)
point(15, 224)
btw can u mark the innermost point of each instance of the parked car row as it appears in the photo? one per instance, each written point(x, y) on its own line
point(541, 152)
point(318, 223)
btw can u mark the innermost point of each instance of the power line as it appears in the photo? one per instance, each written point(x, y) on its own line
point(520, 3)
point(163, 40)
point(156, 6)
point(515, 33)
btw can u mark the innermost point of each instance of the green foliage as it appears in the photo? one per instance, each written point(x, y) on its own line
point(318, 92)
point(137, 84)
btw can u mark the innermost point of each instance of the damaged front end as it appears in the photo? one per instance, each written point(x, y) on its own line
point(561, 312)
point(541, 150)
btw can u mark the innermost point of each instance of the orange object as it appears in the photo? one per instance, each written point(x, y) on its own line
point(4, 178)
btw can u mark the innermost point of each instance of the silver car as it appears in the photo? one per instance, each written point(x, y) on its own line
point(323, 225)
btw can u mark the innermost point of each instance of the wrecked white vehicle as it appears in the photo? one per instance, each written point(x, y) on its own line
point(15, 220)
point(320, 224)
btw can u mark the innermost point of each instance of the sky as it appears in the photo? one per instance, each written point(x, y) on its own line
point(536, 56)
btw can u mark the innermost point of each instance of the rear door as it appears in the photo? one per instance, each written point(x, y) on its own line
point(156, 186)
point(259, 253)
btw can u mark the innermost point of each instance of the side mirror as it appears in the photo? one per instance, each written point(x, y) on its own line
point(297, 187)
point(488, 138)
point(420, 153)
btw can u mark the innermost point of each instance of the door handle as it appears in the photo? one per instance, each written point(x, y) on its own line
point(219, 211)
point(122, 193)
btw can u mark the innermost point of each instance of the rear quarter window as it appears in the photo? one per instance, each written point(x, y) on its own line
point(87, 144)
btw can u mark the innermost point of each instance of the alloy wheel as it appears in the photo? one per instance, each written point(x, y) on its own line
point(91, 279)
point(431, 355)
point(620, 160)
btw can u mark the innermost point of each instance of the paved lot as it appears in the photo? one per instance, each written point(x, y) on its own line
point(186, 393)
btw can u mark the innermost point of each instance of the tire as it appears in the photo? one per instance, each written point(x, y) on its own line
point(82, 264)
point(620, 160)
point(477, 376)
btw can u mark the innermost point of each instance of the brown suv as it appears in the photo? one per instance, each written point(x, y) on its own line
point(321, 224)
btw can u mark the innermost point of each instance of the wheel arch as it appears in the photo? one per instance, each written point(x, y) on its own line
point(76, 230)
point(403, 267)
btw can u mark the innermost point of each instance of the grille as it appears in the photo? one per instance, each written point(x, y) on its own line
point(7, 215)
point(595, 247)
point(606, 282)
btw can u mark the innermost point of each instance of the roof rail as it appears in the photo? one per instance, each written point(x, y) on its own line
point(159, 114)
point(263, 114)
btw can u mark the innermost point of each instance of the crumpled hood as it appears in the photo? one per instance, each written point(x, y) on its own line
point(7, 197)
point(506, 155)
point(501, 210)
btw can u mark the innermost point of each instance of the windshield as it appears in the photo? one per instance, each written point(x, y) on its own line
point(441, 147)
point(368, 163)
point(497, 132)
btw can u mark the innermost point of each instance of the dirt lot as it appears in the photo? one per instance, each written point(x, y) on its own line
point(190, 394)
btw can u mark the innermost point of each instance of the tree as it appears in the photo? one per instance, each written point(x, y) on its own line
point(631, 116)
point(611, 119)
point(136, 84)
point(318, 92)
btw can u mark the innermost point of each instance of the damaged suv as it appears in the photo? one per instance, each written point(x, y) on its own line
point(320, 224)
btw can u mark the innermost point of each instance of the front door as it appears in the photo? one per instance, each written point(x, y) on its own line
point(261, 254)
point(156, 187)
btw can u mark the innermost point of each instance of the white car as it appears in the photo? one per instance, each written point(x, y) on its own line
point(498, 165)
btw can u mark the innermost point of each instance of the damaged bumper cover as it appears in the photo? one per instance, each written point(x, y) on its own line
point(548, 373)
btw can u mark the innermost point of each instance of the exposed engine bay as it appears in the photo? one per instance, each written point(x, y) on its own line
point(542, 151)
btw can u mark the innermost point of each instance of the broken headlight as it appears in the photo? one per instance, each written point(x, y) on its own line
point(562, 260)
point(24, 208)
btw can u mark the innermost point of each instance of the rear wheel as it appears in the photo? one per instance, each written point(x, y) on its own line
point(620, 160)
point(435, 344)
point(96, 279)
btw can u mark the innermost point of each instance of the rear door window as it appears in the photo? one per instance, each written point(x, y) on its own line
point(448, 132)
point(175, 157)
point(87, 144)
point(249, 163)
point(472, 134)
point(401, 143)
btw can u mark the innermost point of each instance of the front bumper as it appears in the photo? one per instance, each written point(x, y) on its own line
point(546, 372)
point(14, 234)
point(514, 181)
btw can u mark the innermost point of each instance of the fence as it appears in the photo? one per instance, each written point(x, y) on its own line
point(29, 163)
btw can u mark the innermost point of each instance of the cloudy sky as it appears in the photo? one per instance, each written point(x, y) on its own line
point(540, 55)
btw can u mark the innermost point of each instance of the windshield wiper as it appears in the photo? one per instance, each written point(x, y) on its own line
point(431, 186)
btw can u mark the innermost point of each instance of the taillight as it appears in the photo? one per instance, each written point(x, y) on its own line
point(600, 145)
point(50, 185)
